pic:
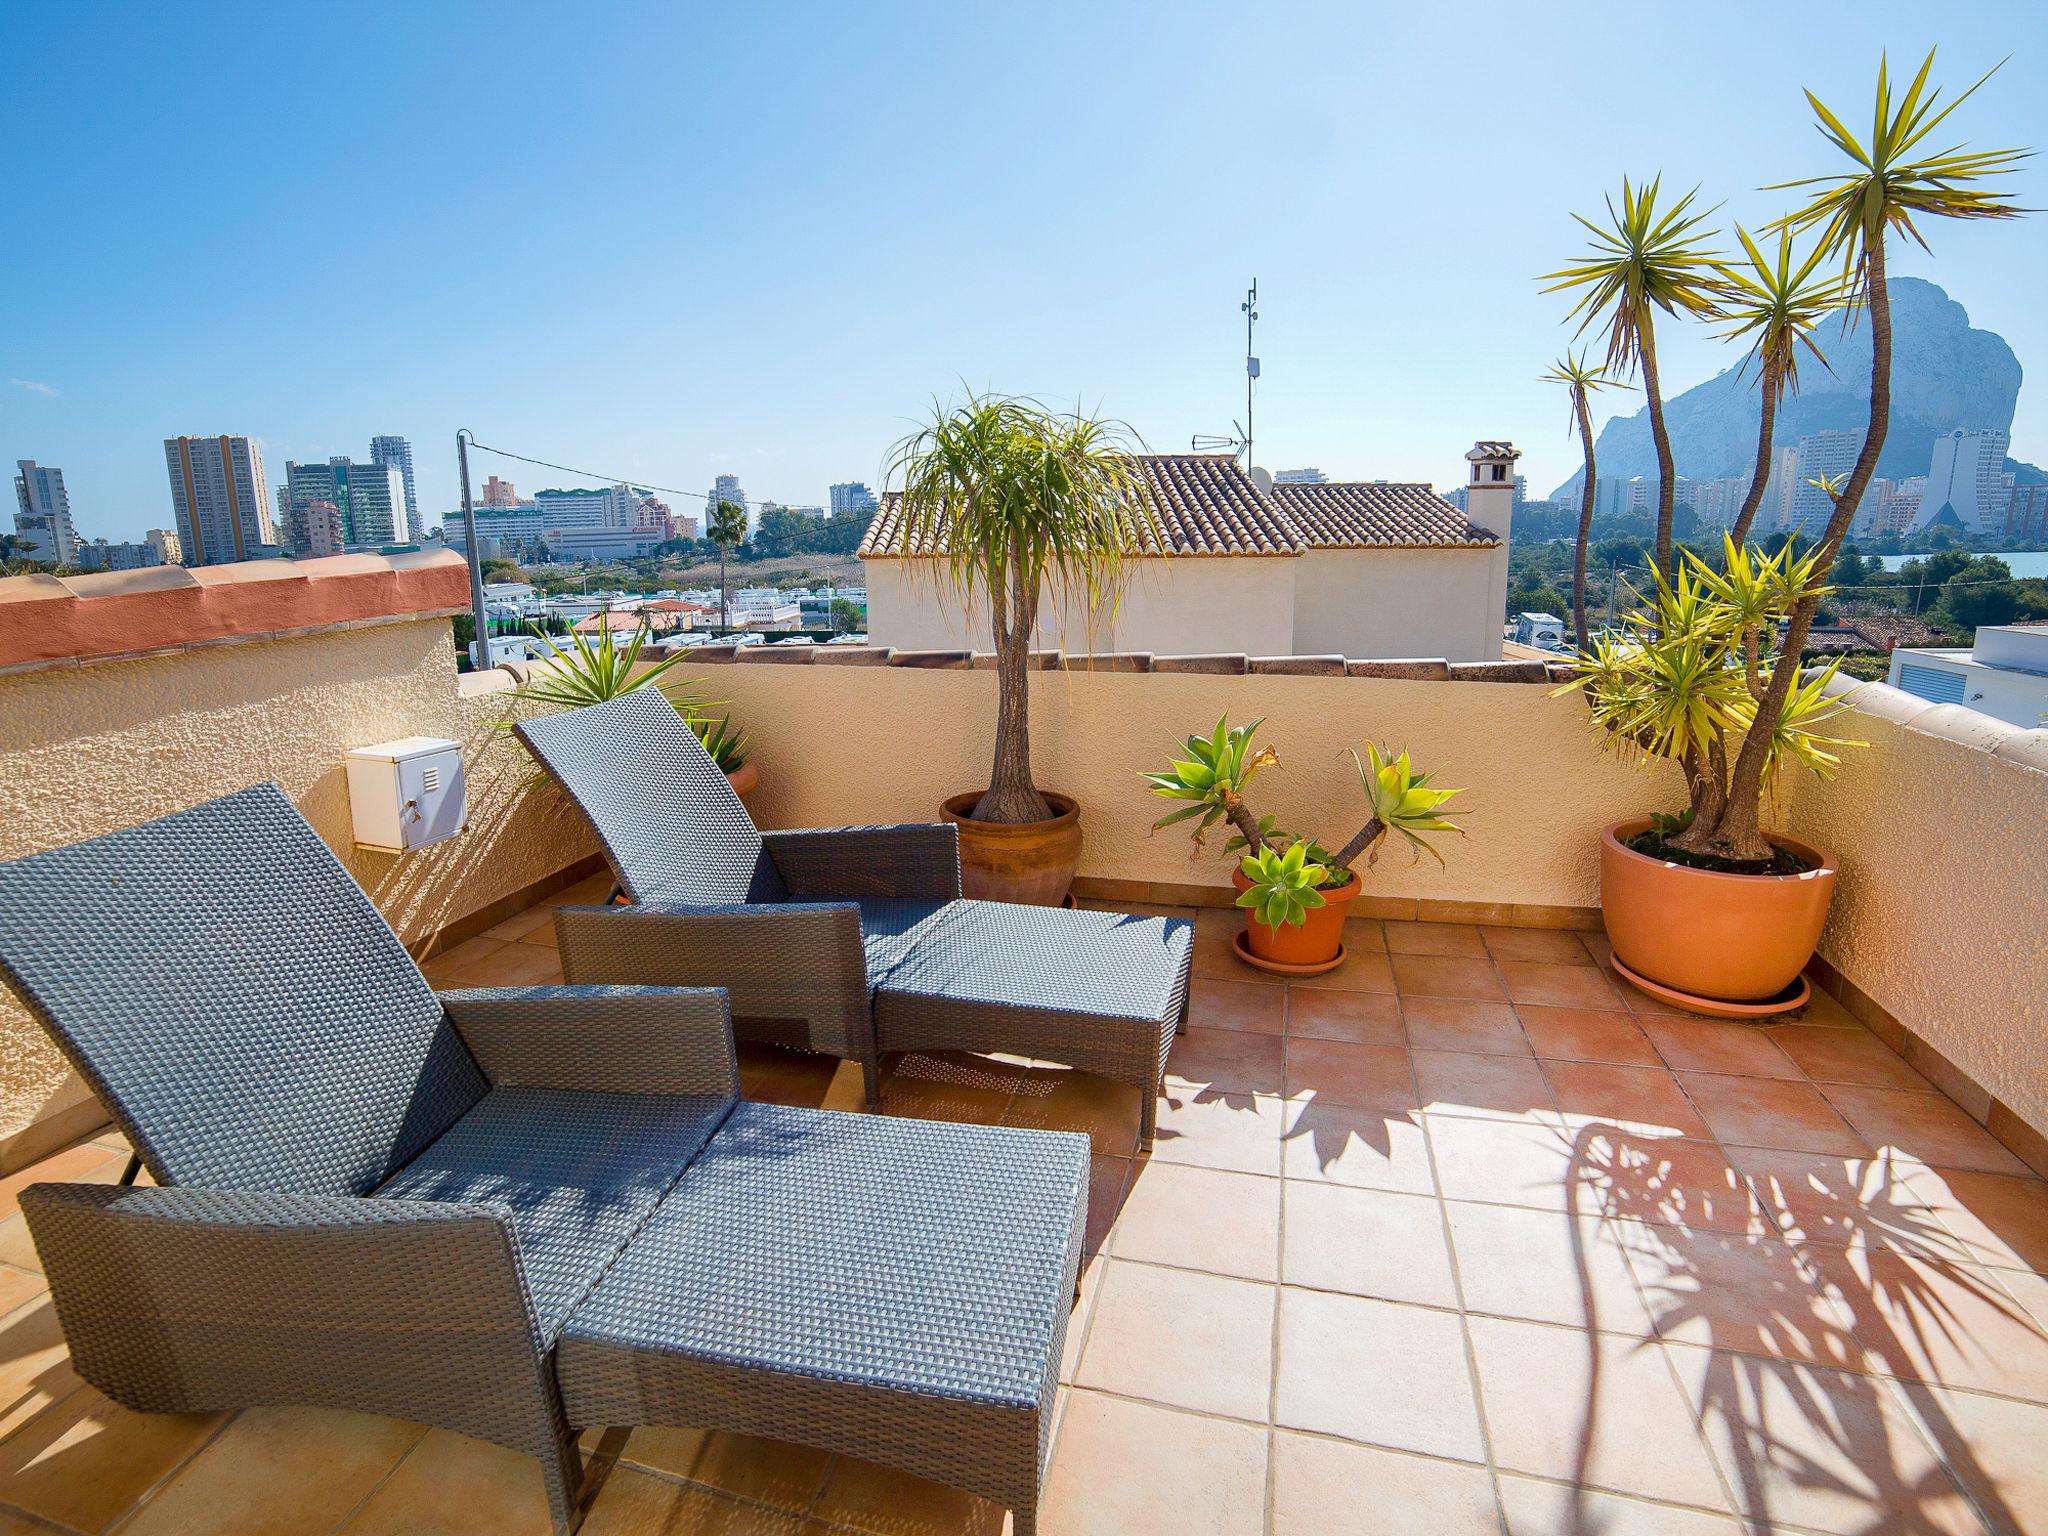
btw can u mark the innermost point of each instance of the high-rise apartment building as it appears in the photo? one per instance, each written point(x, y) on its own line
point(724, 488)
point(369, 499)
point(220, 497)
point(499, 493)
point(2026, 512)
point(851, 496)
point(165, 542)
point(1819, 456)
point(42, 515)
point(1965, 483)
point(397, 452)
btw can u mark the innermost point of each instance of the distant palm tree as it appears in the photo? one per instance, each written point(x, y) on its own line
point(1641, 263)
point(1582, 380)
point(1777, 305)
point(728, 527)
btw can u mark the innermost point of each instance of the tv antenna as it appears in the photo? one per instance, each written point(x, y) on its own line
point(1240, 442)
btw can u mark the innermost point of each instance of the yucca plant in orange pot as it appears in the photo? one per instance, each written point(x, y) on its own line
point(1294, 891)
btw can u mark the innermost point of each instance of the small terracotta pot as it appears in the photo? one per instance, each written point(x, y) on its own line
point(1316, 940)
point(1031, 862)
point(1731, 938)
point(744, 778)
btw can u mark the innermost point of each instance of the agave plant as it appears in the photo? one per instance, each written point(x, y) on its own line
point(1212, 778)
point(586, 672)
point(1285, 887)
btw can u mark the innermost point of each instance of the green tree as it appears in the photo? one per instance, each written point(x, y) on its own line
point(1980, 592)
point(847, 615)
point(501, 570)
point(780, 532)
point(728, 528)
point(1581, 380)
point(1640, 263)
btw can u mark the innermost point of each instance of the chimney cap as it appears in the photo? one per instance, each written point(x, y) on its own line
point(1488, 449)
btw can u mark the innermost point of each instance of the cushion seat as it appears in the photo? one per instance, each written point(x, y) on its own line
point(579, 1172)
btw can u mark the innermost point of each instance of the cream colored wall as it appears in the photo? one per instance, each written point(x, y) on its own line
point(1184, 606)
point(87, 750)
point(1941, 907)
point(1367, 603)
point(859, 744)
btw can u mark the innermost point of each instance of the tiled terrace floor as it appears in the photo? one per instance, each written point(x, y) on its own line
point(1465, 1237)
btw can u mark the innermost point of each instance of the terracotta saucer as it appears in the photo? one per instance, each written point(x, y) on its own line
point(1794, 996)
point(1241, 943)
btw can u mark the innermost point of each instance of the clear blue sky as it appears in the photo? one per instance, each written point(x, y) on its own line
point(669, 241)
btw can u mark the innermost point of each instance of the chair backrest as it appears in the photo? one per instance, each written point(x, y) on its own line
point(668, 818)
point(241, 1008)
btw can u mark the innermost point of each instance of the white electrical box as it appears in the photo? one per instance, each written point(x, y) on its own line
point(406, 794)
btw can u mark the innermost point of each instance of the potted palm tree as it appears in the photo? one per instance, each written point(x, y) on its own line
point(1704, 907)
point(1020, 505)
point(1296, 893)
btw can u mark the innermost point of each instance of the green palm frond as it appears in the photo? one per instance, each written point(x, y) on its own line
point(1640, 262)
point(1581, 378)
point(1776, 303)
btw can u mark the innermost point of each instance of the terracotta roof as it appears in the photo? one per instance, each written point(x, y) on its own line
point(1204, 504)
point(1377, 515)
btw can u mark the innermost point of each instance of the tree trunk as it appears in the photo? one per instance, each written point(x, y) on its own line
point(724, 603)
point(1012, 798)
point(1667, 489)
point(1367, 836)
point(1585, 519)
point(1761, 475)
point(1739, 831)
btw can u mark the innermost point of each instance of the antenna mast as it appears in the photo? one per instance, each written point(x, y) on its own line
point(1240, 443)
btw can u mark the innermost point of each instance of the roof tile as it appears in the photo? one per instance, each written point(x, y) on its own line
point(1377, 515)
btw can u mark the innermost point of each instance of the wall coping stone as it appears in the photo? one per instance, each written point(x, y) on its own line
point(65, 621)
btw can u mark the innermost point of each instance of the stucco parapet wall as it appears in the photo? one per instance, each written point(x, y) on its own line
point(1949, 722)
point(1423, 669)
point(63, 621)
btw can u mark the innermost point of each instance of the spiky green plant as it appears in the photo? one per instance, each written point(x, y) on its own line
point(1643, 261)
point(585, 673)
point(1581, 379)
point(1285, 886)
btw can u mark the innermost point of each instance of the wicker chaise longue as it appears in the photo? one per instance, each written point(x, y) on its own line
point(516, 1213)
point(849, 941)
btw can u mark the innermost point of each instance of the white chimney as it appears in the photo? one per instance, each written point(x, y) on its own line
point(1490, 489)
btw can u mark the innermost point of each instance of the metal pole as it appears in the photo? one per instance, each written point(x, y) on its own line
point(476, 559)
point(1251, 314)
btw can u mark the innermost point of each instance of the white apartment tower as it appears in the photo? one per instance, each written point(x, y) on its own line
point(1965, 483)
point(852, 496)
point(220, 497)
point(724, 488)
point(396, 451)
point(42, 515)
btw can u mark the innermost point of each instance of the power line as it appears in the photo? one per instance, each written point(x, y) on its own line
point(591, 474)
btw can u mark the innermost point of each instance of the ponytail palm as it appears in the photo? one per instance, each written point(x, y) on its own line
point(1641, 262)
point(1582, 380)
point(1017, 503)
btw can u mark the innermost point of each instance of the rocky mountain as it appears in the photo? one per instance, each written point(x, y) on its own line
point(1945, 374)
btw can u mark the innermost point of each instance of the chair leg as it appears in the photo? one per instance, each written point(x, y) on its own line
point(1148, 1114)
point(871, 1077)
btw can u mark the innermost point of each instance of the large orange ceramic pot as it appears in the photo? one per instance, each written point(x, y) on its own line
point(744, 778)
point(1032, 862)
point(1318, 938)
point(1728, 938)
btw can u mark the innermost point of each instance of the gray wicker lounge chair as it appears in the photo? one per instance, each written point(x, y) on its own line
point(851, 941)
point(508, 1213)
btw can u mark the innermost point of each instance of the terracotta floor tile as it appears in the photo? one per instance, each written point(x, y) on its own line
point(1363, 970)
point(1641, 1099)
point(1360, 1148)
point(1363, 1018)
point(35, 1367)
point(85, 1163)
point(1832, 1055)
point(1131, 1469)
point(769, 1075)
point(278, 1472)
point(1711, 1045)
point(1745, 1293)
point(1545, 1266)
point(1257, 1006)
point(1770, 1112)
point(18, 1286)
point(85, 1461)
point(590, 891)
point(1365, 933)
point(1331, 1349)
point(1228, 1059)
point(524, 925)
point(1992, 1446)
point(1434, 939)
point(1557, 986)
point(1215, 956)
point(17, 1245)
point(635, 1503)
point(1199, 1218)
point(1373, 1076)
point(1590, 1408)
point(1184, 1339)
point(1844, 1202)
point(1488, 1087)
point(1446, 976)
point(867, 1497)
point(1955, 1325)
point(451, 1485)
point(923, 1098)
point(1053, 1100)
point(1330, 1488)
point(1503, 1162)
point(1826, 1450)
point(1587, 1034)
point(2002, 1219)
point(1929, 1128)
point(1236, 1132)
point(762, 1471)
point(1463, 1024)
point(1366, 1242)
point(1559, 1509)
point(1546, 946)
point(1662, 1180)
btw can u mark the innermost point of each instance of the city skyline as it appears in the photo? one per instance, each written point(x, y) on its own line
point(854, 284)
